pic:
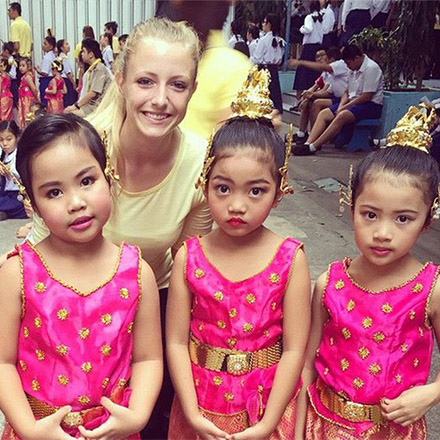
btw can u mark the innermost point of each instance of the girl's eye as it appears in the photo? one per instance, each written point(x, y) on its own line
point(257, 191)
point(54, 193)
point(370, 215)
point(403, 219)
point(87, 181)
point(144, 82)
point(223, 189)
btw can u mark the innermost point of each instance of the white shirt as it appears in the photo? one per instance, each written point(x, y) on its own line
point(382, 6)
point(312, 30)
point(338, 80)
point(46, 62)
point(13, 64)
point(252, 46)
point(107, 56)
point(368, 79)
point(328, 21)
point(67, 68)
point(265, 53)
point(9, 161)
point(233, 40)
point(351, 5)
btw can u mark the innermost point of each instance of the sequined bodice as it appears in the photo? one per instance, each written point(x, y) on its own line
point(59, 84)
point(24, 89)
point(375, 344)
point(75, 347)
point(6, 87)
point(244, 315)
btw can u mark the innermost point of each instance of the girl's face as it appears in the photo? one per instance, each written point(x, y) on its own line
point(23, 67)
point(389, 215)
point(46, 46)
point(8, 141)
point(159, 82)
point(241, 191)
point(70, 192)
point(2, 66)
point(266, 26)
point(66, 47)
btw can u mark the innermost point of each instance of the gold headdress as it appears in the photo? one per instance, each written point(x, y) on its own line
point(109, 170)
point(413, 130)
point(253, 99)
point(253, 102)
point(23, 195)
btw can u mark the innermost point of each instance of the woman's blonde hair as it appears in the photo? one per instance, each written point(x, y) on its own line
point(111, 113)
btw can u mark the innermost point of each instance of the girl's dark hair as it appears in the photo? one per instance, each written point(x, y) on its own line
point(242, 47)
point(254, 31)
point(113, 26)
point(92, 46)
point(315, 6)
point(6, 64)
point(51, 41)
point(275, 27)
point(258, 134)
point(236, 27)
point(10, 126)
point(45, 131)
point(351, 51)
point(9, 46)
point(399, 161)
point(60, 44)
point(109, 37)
point(88, 32)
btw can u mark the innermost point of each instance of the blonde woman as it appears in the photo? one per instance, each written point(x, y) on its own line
point(156, 204)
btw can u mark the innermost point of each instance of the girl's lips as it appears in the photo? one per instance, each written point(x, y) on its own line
point(81, 223)
point(235, 222)
point(381, 251)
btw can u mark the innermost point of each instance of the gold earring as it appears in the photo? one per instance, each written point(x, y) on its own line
point(201, 181)
point(346, 195)
point(285, 188)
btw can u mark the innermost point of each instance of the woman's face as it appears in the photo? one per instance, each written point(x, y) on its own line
point(47, 46)
point(158, 84)
point(66, 47)
point(267, 27)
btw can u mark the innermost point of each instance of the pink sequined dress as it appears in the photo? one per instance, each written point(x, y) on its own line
point(6, 99)
point(75, 347)
point(246, 316)
point(55, 101)
point(25, 99)
point(375, 345)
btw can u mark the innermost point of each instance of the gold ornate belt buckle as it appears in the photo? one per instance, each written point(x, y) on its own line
point(73, 419)
point(237, 364)
point(354, 412)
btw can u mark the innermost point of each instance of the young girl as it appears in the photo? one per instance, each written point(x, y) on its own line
point(45, 70)
point(374, 316)
point(79, 316)
point(10, 206)
point(56, 90)
point(227, 312)
point(27, 92)
point(6, 99)
point(63, 48)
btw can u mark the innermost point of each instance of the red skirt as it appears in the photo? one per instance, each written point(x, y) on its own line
point(6, 108)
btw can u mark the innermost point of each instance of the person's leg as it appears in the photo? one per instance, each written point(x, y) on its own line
point(304, 117)
point(317, 106)
point(341, 119)
point(325, 117)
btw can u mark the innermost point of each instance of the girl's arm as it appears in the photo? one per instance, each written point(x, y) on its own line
point(319, 316)
point(71, 79)
point(296, 325)
point(413, 404)
point(177, 335)
point(32, 86)
point(147, 369)
point(64, 91)
point(13, 401)
point(51, 88)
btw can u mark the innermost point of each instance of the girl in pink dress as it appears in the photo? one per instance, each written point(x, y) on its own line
point(56, 90)
point(6, 99)
point(79, 316)
point(27, 91)
point(239, 298)
point(374, 317)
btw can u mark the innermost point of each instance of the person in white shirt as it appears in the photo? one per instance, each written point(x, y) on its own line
point(253, 36)
point(71, 96)
point(363, 99)
point(328, 24)
point(269, 54)
point(355, 17)
point(313, 34)
point(45, 69)
point(326, 91)
point(236, 28)
point(379, 13)
point(106, 49)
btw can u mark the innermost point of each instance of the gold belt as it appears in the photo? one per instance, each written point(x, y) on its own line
point(71, 420)
point(233, 361)
point(352, 411)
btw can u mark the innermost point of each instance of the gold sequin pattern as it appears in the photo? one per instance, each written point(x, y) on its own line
point(346, 333)
point(217, 380)
point(229, 397)
point(106, 319)
point(35, 385)
point(358, 383)
point(416, 363)
point(37, 322)
point(62, 314)
point(274, 278)
point(367, 322)
point(339, 284)
point(221, 325)
point(40, 355)
point(105, 382)
point(130, 327)
point(233, 313)
point(62, 350)
point(387, 308)
point(418, 287)
point(39, 287)
point(199, 273)
point(63, 380)
point(232, 342)
point(378, 337)
point(398, 378)
point(364, 352)
point(84, 400)
point(344, 364)
point(250, 298)
point(273, 306)
point(105, 350)
point(350, 305)
point(219, 296)
point(23, 365)
point(404, 348)
point(375, 369)
point(86, 367)
point(247, 327)
point(25, 332)
point(124, 293)
point(84, 333)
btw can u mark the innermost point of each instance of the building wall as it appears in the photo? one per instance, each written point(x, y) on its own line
point(67, 18)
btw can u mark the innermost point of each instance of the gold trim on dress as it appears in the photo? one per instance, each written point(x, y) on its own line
point(69, 286)
point(434, 282)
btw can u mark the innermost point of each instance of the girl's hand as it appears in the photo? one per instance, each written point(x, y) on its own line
point(49, 428)
point(208, 431)
point(411, 405)
point(256, 432)
point(122, 423)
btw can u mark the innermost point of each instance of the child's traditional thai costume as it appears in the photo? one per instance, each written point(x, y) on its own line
point(55, 101)
point(26, 98)
point(235, 342)
point(6, 99)
point(75, 347)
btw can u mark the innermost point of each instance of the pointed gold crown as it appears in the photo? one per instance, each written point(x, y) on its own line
point(253, 99)
point(413, 130)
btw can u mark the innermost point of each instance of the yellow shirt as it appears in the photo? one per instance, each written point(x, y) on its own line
point(160, 218)
point(222, 71)
point(21, 32)
point(115, 45)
